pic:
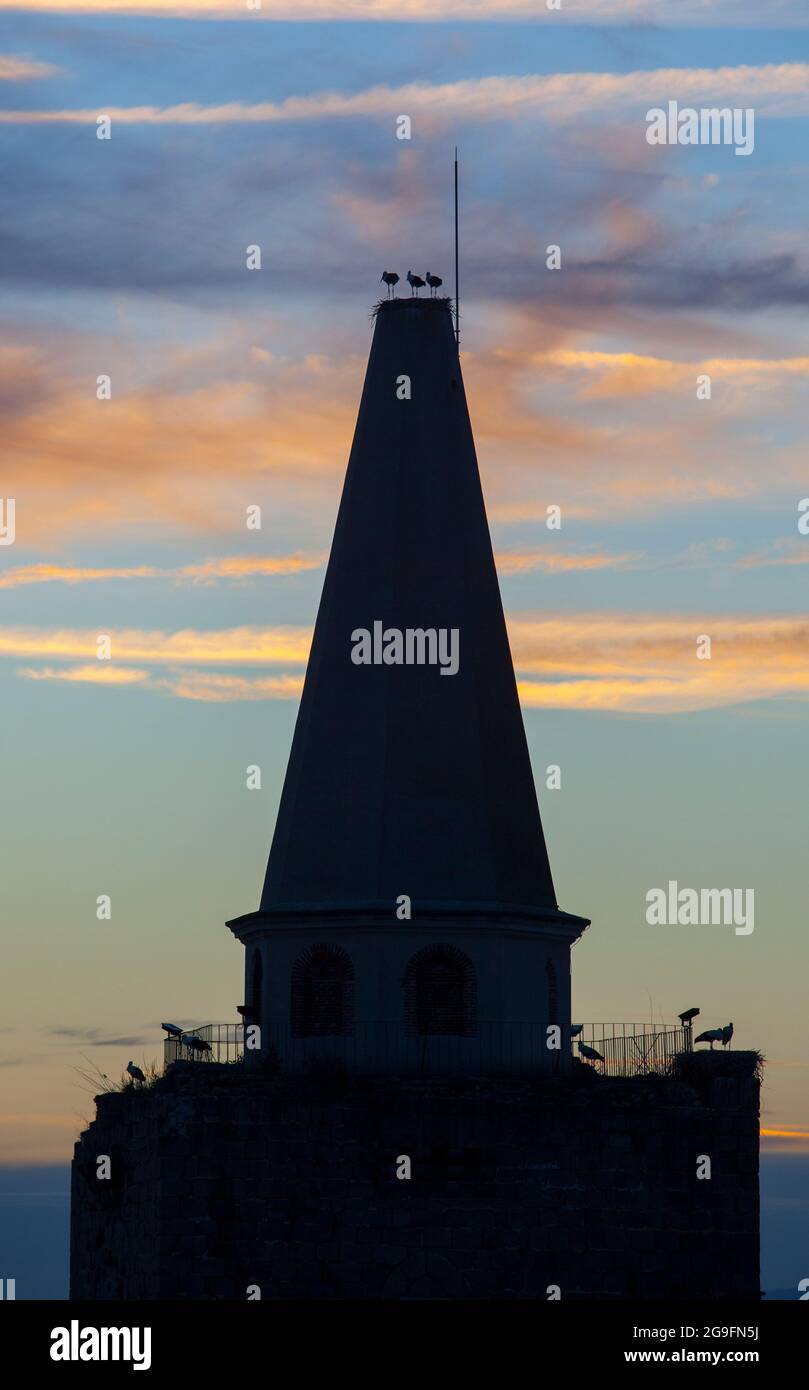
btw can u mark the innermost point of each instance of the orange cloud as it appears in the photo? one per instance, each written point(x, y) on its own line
point(622, 374)
point(622, 662)
point(222, 567)
point(521, 561)
point(216, 689)
point(649, 664)
point(240, 646)
point(206, 686)
point(785, 1141)
point(155, 454)
point(529, 435)
point(377, 219)
point(152, 457)
point(243, 567)
point(699, 554)
point(69, 574)
point(100, 674)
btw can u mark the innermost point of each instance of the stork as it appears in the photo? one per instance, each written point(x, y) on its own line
point(589, 1052)
point(711, 1035)
point(135, 1072)
point(391, 279)
point(434, 281)
point(727, 1034)
point(415, 282)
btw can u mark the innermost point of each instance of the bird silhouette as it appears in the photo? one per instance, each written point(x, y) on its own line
point(434, 281)
point(196, 1044)
point(589, 1052)
point(135, 1072)
point(711, 1035)
point(415, 282)
point(391, 280)
point(727, 1034)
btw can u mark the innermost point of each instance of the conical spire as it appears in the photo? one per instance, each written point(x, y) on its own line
point(403, 779)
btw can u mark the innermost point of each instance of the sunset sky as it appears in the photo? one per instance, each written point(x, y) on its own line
point(233, 388)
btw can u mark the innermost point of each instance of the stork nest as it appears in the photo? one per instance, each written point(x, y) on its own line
point(696, 1067)
point(430, 303)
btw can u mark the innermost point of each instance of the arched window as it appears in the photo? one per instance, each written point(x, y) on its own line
point(322, 1003)
point(440, 991)
point(256, 995)
point(553, 993)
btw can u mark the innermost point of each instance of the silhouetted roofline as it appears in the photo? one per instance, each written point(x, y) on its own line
point(522, 916)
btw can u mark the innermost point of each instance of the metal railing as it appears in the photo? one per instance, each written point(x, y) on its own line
point(221, 1042)
point(629, 1049)
point(625, 1049)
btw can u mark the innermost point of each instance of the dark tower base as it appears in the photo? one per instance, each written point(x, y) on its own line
point(224, 1180)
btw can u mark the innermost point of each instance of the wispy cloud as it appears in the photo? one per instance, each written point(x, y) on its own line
point(239, 567)
point(620, 374)
point(207, 572)
point(659, 12)
point(774, 89)
point(784, 1141)
point(102, 673)
point(16, 68)
point(711, 554)
point(782, 552)
point(96, 1038)
point(649, 664)
point(238, 646)
point(585, 661)
point(219, 689)
point(551, 561)
point(206, 686)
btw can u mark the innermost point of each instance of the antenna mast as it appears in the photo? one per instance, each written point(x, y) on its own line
point(457, 305)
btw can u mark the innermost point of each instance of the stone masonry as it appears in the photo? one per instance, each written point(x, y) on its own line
point(226, 1178)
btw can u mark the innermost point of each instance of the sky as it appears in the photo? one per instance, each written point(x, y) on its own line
point(126, 259)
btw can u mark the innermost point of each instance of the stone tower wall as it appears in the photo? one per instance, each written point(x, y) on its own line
point(225, 1179)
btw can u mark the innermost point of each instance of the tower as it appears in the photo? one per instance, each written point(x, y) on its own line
point(409, 781)
point(408, 909)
